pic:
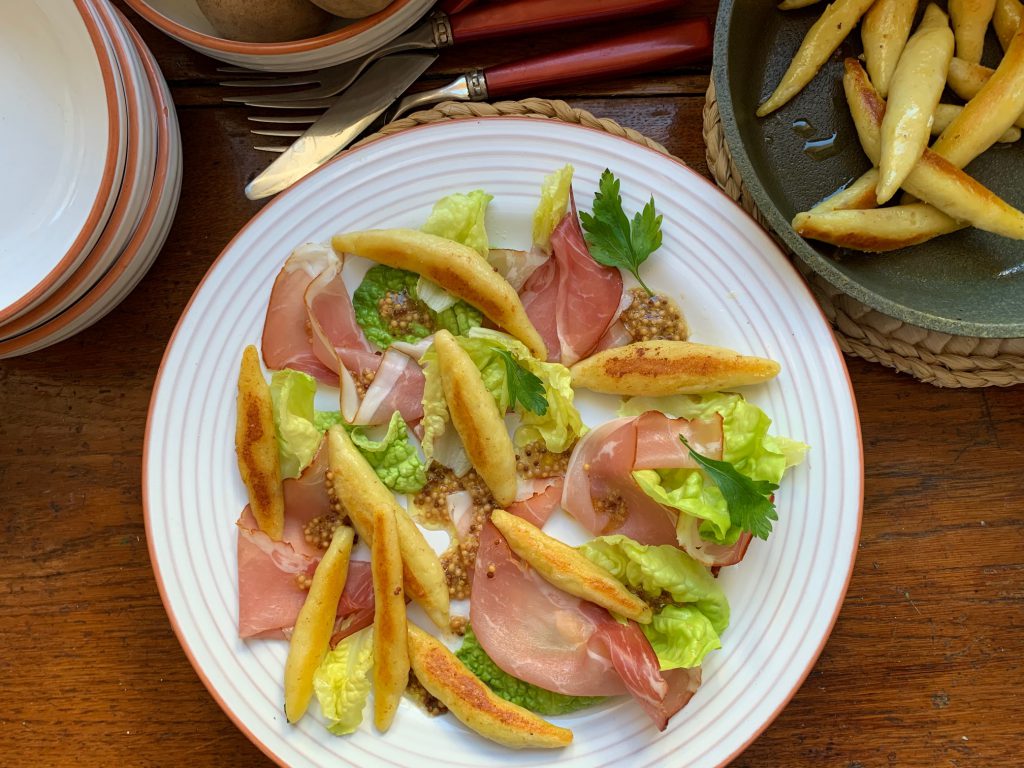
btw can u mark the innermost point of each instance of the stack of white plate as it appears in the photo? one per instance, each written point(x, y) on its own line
point(92, 167)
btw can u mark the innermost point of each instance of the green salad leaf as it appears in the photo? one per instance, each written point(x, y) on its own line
point(689, 626)
point(614, 240)
point(381, 283)
point(510, 688)
point(523, 387)
point(692, 493)
point(553, 205)
point(460, 217)
point(291, 394)
point(342, 682)
point(394, 458)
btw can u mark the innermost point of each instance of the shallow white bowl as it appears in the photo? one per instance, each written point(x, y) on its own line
point(737, 290)
point(182, 20)
point(63, 118)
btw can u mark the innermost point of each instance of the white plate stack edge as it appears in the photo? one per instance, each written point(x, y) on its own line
point(97, 174)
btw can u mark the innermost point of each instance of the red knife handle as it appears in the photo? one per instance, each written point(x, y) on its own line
point(519, 16)
point(453, 6)
point(665, 47)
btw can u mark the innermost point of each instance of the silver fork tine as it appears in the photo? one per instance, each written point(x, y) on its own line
point(284, 99)
point(268, 148)
point(285, 119)
point(275, 132)
point(239, 71)
point(308, 78)
point(255, 101)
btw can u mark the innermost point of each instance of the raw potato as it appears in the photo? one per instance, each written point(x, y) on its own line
point(477, 419)
point(353, 9)
point(914, 93)
point(966, 80)
point(934, 179)
point(313, 627)
point(856, 196)
point(947, 113)
point(567, 569)
point(265, 21)
point(991, 112)
point(390, 643)
point(472, 702)
point(822, 39)
point(970, 22)
point(878, 229)
point(457, 268)
point(256, 446)
point(884, 32)
point(1006, 20)
point(658, 368)
point(361, 492)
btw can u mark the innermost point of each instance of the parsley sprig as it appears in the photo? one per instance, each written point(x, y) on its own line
point(748, 500)
point(613, 239)
point(523, 386)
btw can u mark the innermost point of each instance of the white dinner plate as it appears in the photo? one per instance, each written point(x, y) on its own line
point(62, 126)
point(737, 290)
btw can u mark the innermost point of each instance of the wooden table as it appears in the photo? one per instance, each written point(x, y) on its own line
point(924, 665)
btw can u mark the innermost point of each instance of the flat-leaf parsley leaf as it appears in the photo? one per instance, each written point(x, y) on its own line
point(748, 500)
point(523, 386)
point(614, 241)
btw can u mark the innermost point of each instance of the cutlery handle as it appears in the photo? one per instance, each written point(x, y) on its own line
point(664, 47)
point(453, 6)
point(520, 16)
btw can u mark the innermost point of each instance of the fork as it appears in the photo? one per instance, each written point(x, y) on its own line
point(440, 31)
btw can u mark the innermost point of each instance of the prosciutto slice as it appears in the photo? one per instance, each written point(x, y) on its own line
point(516, 266)
point(600, 492)
point(708, 553)
point(305, 497)
point(269, 596)
point(287, 339)
point(599, 470)
point(538, 504)
point(397, 386)
point(336, 337)
point(589, 294)
point(540, 299)
point(544, 636)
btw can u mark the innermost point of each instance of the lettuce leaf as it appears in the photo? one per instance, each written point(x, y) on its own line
point(460, 217)
point(381, 280)
point(747, 446)
point(561, 425)
point(342, 682)
point(554, 202)
point(298, 437)
point(394, 458)
point(699, 611)
point(539, 700)
point(435, 409)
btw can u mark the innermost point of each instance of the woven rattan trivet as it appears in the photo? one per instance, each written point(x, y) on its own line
point(939, 359)
point(936, 358)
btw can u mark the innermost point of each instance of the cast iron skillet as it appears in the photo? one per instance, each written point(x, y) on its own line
point(969, 283)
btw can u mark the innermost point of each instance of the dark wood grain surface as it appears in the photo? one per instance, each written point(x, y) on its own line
point(924, 667)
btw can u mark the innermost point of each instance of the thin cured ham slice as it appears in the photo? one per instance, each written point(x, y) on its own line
point(707, 552)
point(336, 337)
point(658, 445)
point(589, 294)
point(538, 503)
point(397, 386)
point(546, 637)
point(540, 300)
point(269, 595)
point(600, 492)
point(516, 266)
point(287, 338)
point(305, 497)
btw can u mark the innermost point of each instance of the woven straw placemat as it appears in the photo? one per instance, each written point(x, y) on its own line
point(933, 357)
point(940, 359)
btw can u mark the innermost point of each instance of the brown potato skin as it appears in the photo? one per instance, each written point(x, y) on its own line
point(455, 267)
point(658, 368)
point(567, 569)
point(353, 9)
point(361, 491)
point(265, 21)
point(256, 446)
point(477, 419)
point(472, 702)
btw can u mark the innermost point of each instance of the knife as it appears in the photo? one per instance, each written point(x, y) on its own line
point(364, 102)
point(663, 47)
point(457, 25)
